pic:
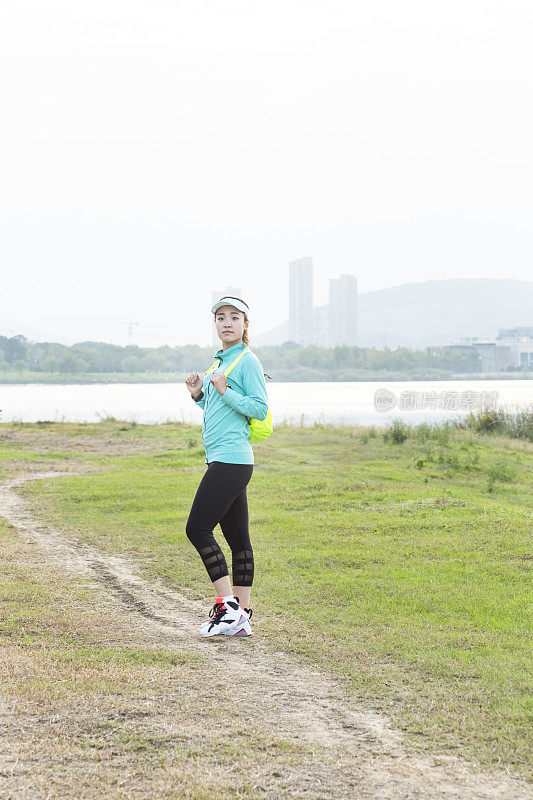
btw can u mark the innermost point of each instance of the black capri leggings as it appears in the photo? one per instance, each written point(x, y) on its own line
point(221, 498)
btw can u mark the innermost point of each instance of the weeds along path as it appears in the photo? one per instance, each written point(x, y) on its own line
point(349, 752)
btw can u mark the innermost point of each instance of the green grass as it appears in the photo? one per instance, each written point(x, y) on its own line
point(516, 422)
point(399, 563)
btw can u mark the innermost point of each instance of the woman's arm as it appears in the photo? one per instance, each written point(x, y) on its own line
point(254, 403)
point(194, 385)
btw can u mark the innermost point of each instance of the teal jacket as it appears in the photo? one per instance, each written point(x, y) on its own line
point(226, 428)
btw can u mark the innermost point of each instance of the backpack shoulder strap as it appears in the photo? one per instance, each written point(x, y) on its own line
point(228, 370)
point(210, 368)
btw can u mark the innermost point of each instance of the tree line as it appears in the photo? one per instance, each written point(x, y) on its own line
point(288, 361)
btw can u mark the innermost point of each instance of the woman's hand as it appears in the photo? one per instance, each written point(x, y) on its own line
point(194, 384)
point(218, 379)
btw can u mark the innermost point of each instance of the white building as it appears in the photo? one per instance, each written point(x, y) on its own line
point(511, 351)
point(520, 344)
point(321, 326)
point(343, 311)
point(301, 301)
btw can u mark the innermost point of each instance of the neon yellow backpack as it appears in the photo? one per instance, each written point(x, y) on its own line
point(259, 428)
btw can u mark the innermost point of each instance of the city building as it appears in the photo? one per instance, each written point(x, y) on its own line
point(230, 291)
point(511, 351)
point(343, 311)
point(515, 333)
point(301, 301)
point(520, 343)
point(320, 336)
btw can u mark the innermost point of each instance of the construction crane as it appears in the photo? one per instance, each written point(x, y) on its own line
point(130, 326)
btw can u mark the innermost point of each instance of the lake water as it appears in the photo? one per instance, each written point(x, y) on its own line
point(338, 403)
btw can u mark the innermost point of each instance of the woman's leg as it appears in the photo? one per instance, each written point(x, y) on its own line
point(235, 528)
point(219, 487)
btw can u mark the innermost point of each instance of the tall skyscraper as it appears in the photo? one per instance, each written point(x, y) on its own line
point(232, 291)
point(321, 326)
point(343, 311)
point(301, 301)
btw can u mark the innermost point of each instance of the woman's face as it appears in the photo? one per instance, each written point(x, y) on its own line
point(230, 324)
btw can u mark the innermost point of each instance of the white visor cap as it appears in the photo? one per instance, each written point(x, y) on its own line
point(236, 302)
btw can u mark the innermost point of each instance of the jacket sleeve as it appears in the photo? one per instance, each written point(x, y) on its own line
point(201, 401)
point(254, 403)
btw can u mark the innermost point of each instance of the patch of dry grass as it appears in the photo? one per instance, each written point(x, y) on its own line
point(94, 706)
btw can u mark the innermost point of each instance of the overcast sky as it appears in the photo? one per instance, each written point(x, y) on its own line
point(153, 151)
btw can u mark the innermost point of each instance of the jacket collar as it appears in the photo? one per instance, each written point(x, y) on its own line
point(231, 352)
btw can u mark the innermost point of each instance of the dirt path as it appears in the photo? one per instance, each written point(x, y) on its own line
point(346, 752)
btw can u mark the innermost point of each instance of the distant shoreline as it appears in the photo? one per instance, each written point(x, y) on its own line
point(118, 378)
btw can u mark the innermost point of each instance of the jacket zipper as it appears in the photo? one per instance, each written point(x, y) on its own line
point(209, 387)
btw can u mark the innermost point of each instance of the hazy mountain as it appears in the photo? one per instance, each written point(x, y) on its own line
point(434, 312)
point(412, 314)
point(9, 328)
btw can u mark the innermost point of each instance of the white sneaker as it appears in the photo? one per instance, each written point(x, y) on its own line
point(226, 614)
point(243, 628)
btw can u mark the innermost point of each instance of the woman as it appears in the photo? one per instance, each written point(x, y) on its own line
point(228, 404)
